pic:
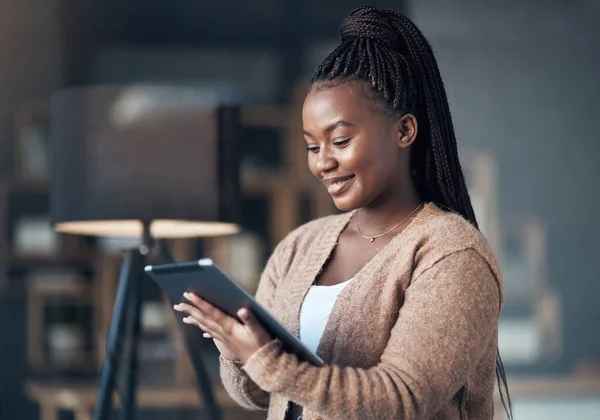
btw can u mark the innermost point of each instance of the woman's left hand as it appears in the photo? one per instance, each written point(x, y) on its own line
point(244, 338)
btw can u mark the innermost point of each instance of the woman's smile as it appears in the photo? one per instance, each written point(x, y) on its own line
point(337, 185)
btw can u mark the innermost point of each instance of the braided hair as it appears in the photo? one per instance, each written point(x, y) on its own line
point(395, 65)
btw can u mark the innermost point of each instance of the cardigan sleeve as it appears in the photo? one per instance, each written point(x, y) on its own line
point(449, 315)
point(235, 380)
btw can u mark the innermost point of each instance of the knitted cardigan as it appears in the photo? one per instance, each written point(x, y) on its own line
point(413, 336)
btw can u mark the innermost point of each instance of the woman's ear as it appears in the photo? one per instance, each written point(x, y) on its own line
point(407, 130)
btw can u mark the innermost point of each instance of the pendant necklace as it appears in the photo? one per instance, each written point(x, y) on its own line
point(393, 228)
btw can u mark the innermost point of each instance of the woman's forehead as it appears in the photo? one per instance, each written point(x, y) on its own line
point(325, 106)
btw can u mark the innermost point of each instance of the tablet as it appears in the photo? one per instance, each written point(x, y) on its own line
point(207, 280)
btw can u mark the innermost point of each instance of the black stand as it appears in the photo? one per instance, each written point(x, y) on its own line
point(123, 337)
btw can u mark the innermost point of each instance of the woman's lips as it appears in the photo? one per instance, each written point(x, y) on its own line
point(337, 185)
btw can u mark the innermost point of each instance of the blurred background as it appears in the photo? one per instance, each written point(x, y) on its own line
point(522, 80)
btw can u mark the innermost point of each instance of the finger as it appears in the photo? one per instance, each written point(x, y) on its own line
point(205, 323)
point(205, 329)
point(188, 309)
point(249, 320)
point(216, 327)
point(204, 306)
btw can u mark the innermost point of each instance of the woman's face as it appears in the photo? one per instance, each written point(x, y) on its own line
point(355, 151)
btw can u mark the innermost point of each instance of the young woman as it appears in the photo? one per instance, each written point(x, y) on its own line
point(400, 294)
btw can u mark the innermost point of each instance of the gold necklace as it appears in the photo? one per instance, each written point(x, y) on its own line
point(372, 238)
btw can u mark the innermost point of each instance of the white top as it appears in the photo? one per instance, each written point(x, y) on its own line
point(315, 312)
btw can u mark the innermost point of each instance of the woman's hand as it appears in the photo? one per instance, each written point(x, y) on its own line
point(226, 351)
point(235, 340)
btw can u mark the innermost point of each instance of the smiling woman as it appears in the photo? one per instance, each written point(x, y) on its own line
point(401, 293)
point(358, 154)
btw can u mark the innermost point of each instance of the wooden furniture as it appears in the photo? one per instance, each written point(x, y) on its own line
point(80, 295)
point(80, 399)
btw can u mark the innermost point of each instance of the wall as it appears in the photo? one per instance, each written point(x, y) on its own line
point(522, 80)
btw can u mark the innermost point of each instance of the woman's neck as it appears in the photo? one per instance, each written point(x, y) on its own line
point(386, 211)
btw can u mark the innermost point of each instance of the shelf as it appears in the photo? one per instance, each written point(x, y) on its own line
point(74, 394)
point(17, 261)
point(87, 362)
point(79, 294)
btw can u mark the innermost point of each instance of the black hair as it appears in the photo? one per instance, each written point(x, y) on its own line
point(390, 56)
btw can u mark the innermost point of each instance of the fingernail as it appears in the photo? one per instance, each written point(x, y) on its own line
point(176, 307)
point(186, 295)
point(187, 320)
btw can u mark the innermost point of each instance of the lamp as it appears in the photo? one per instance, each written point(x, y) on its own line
point(152, 162)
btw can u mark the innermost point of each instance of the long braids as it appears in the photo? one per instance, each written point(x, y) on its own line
point(386, 50)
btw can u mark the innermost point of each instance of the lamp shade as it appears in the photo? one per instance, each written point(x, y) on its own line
point(123, 155)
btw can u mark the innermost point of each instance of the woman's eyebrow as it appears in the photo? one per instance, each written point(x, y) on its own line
point(331, 127)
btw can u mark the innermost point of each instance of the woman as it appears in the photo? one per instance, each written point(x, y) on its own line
point(400, 294)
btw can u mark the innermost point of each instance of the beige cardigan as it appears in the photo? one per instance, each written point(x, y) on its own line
point(413, 336)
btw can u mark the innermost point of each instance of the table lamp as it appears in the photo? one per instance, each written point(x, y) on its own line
point(152, 162)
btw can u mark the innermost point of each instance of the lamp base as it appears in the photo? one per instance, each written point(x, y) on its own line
point(123, 338)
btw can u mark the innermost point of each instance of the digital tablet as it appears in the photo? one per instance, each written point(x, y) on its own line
point(204, 278)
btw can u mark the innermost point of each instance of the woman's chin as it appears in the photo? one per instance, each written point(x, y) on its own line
point(345, 204)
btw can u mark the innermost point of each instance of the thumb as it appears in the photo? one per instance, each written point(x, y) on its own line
point(249, 319)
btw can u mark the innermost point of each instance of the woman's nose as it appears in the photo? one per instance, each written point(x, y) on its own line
point(325, 160)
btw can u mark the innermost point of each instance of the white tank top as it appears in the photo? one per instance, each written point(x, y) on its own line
point(315, 312)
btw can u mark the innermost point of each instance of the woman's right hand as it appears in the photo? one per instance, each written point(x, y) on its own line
point(226, 351)
point(223, 348)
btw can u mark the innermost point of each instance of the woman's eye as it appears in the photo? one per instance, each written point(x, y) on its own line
point(341, 143)
point(313, 149)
